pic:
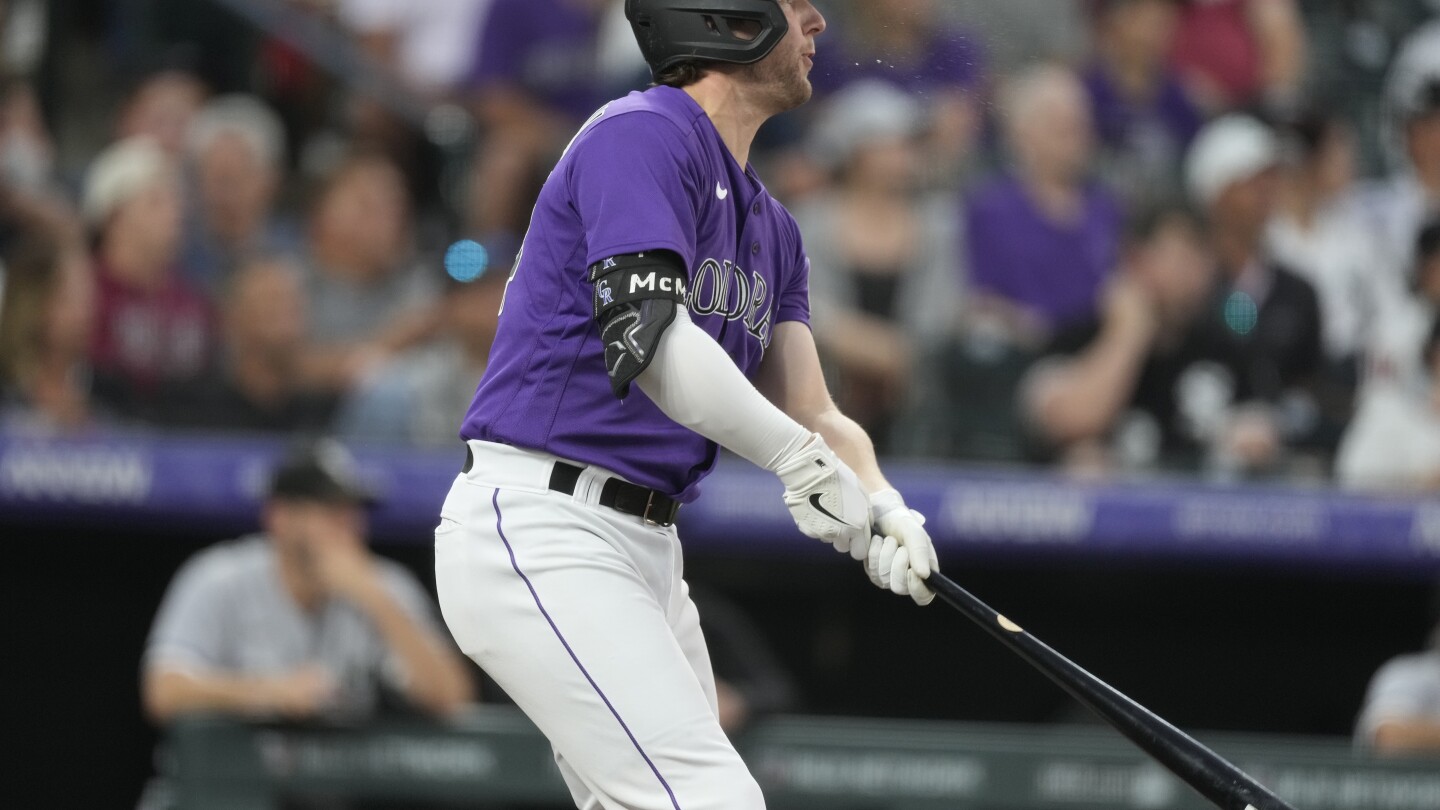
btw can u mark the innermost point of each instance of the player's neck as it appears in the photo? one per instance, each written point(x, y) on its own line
point(736, 117)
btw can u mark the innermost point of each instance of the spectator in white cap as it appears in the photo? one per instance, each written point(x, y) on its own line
point(890, 283)
point(236, 148)
point(151, 327)
point(1232, 172)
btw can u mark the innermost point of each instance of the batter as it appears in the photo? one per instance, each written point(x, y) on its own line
point(658, 311)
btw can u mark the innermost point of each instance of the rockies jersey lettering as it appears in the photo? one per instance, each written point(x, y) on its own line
point(646, 172)
point(723, 288)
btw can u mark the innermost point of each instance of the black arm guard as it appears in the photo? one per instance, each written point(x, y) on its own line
point(635, 300)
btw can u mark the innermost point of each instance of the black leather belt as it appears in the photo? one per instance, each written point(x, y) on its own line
point(653, 507)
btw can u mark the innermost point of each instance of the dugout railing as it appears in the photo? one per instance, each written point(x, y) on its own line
point(496, 756)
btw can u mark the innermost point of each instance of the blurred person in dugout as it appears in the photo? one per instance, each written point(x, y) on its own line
point(1393, 443)
point(1043, 236)
point(1400, 715)
point(258, 382)
point(1149, 382)
point(423, 394)
point(368, 297)
point(1238, 54)
point(235, 147)
point(913, 46)
point(152, 329)
point(1144, 116)
point(1269, 311)
point(890, 287)
point(301, 621)
point(537, 77)
point(47, 301)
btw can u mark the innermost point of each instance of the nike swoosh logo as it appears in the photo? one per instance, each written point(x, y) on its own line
point(815, 502)
point(721, 191)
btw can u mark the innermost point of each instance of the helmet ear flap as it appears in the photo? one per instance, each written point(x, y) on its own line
point(733, 31)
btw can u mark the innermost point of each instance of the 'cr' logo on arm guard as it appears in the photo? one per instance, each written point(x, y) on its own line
point(636, 296)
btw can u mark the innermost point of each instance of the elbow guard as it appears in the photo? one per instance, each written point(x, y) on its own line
point(636, 296)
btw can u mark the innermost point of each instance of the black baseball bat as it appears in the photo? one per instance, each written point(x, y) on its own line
point(1209, 773)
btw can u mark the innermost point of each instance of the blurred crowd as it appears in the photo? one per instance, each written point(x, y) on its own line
point(1110, 236)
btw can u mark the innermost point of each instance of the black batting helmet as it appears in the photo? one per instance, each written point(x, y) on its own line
point(675, 31)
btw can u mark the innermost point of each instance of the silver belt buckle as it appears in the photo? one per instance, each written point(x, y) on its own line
point(649, 521)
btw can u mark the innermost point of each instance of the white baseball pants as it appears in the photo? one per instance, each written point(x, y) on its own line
point(581, 614)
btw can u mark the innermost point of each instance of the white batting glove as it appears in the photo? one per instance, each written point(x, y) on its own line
point(825, 498)
point(900, 554)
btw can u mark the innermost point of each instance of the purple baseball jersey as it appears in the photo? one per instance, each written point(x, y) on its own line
point(646, 172)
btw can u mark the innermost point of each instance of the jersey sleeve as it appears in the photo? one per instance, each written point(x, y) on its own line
point(794, 299)
point(188, 633)
point(634, 182)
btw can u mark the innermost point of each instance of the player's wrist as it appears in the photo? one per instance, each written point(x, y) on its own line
point(884, 502)
point(798, 442)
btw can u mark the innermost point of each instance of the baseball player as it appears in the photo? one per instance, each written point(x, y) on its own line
point(657, 312)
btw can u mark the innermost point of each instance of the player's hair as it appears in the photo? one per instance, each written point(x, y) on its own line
point(683, 74)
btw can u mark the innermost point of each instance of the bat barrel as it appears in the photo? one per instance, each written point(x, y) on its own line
point(1204, 770)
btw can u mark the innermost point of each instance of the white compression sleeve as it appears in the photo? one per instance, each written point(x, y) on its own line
point(696, 383)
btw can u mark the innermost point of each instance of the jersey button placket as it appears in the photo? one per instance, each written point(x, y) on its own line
point(755, 249)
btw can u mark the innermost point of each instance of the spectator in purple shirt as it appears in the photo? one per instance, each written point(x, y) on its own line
point(1144, 117)
point(1042, 237)
point(535, 81)
point(909, 44)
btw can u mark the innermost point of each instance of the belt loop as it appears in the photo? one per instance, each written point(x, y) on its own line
point(587, 488)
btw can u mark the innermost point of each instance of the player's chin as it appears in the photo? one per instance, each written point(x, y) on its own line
point(798, 92)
